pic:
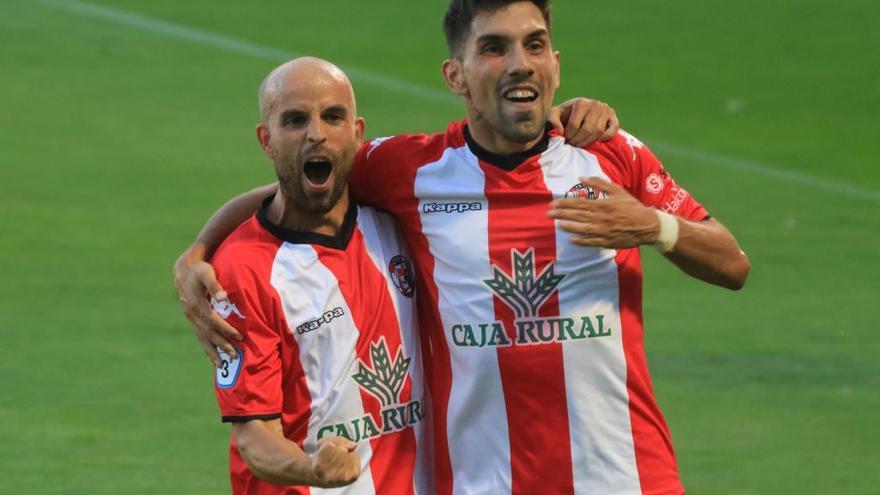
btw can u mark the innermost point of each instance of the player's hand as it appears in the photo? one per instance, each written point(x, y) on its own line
point(195, 279)
point(617, 221)
point(336, 463)
point(582, 121)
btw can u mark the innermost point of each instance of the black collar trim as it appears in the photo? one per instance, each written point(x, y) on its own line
point(338, 241)
point(506, 162)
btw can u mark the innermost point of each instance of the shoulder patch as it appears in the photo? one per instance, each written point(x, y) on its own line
point(227, 373)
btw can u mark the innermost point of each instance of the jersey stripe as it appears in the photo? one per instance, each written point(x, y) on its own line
point(476, 404)
point(380, 235)
point(307, 287)
point(390, 456)
point(602, 449)
point(532, 376)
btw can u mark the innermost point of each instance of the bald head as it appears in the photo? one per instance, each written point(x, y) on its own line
point(304, 74)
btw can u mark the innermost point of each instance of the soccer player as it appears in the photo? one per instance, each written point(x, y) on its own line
point(326, 386)
point(530, 307)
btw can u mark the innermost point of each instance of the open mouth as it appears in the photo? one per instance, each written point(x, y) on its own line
point(317, 171)
point(520, 95)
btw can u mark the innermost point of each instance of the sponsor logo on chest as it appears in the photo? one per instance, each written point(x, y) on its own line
point(525, 291)
point(383, 379)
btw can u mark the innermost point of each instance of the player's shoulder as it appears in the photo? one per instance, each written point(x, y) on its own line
point(246, 255)
point(414, 148)
point(622, 145)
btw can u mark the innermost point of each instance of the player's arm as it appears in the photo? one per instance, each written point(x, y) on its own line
point(703, 249)
point(194, 277)
point(274, 458)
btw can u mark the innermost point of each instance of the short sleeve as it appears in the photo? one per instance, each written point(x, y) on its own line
point(651, 184)
point(249, 386)
point(365, 181)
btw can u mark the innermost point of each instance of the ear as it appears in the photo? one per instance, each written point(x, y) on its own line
point(556, 57)
point(264, 138)
point(453, 75)
point(360, 127)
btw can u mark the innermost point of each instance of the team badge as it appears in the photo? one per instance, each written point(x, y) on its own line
point(585, 192)
point(403, 275)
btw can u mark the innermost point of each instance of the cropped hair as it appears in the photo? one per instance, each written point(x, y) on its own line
point(461, 13)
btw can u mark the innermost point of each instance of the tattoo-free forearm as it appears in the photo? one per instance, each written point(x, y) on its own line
point(270, 456)
point(708, 251)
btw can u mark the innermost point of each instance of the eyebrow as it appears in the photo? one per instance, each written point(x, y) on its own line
point(500, 37)
point(290, 113)
point(336, 108)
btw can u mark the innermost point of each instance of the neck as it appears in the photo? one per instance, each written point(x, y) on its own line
point(286, 214)
point(486, 136)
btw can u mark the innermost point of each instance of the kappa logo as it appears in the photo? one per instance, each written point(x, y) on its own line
point(452, 207)
point(632, 141)
point(525, 291)
point(225, 308)
point(324, 319)
point(375, 144)
point(585, 192)
point(403, 275)
point(383, 379)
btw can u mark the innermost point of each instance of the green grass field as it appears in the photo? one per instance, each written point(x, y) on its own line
point(124, 124)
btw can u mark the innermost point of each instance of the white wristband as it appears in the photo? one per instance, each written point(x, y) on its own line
point(668, 232)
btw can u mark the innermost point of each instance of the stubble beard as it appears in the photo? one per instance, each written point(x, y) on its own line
point(521, 127)
point(292, 185)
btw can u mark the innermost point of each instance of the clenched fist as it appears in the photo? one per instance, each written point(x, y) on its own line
point(336, 463)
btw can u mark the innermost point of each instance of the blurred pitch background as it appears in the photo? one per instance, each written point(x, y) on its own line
point(124, 124)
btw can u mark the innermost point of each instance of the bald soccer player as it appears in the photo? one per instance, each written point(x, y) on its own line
point(530, 287)
point(325, 388)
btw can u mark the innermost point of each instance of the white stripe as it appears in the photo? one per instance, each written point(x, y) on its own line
point(479, 444)
point(602, 451)
point(384, 242)
point(308, 290)
point(242, 47)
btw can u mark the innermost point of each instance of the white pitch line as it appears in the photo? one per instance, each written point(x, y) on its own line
point(247, 48)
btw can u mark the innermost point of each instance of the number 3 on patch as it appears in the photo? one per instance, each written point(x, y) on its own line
point(227, 373)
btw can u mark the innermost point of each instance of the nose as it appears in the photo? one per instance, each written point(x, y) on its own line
point(316, 132)
point(519, 64)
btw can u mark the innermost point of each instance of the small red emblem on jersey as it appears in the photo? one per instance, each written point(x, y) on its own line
point(403, 275)
point(654, 184)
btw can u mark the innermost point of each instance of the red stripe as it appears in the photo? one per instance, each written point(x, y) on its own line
point(655, 458)
point(435, 351)
point(365, 291)
point(296, 399)
point(532, 376)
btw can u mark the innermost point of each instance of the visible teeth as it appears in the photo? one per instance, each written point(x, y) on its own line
point(520, 94)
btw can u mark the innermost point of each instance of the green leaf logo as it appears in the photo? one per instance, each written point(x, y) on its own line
point(526, 292)
point(384, 379)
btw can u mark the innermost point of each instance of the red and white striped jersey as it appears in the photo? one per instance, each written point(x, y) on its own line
point(329, 347)
point(534, 347)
